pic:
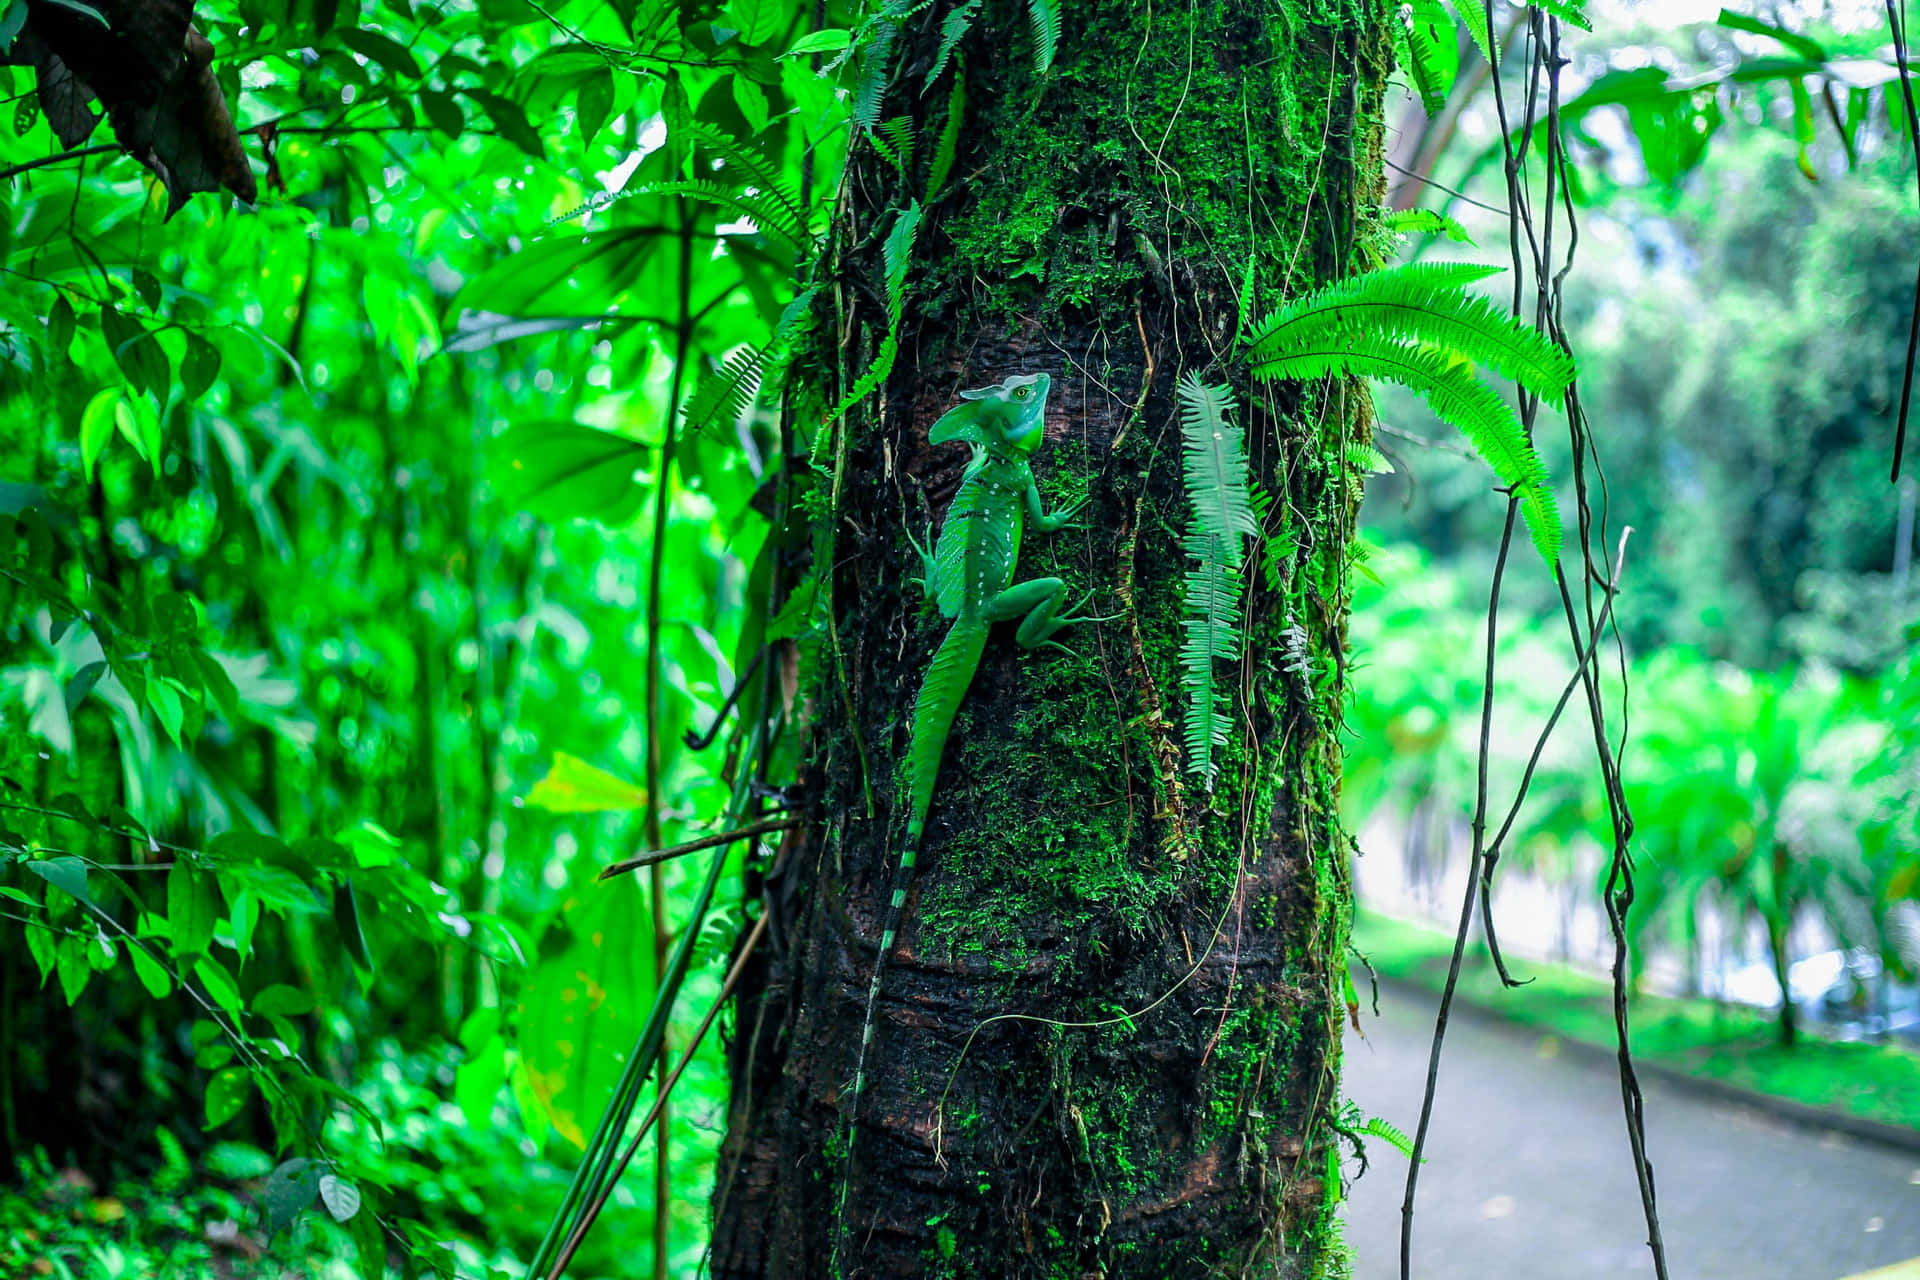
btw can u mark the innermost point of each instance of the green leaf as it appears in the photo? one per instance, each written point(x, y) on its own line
point(192, 908)
point(510, 118)
point(826, 40)
point(574, 786)
point(757, 21)
point(581, 1011)
point(289, 1189)
point(563, 471)
point(381, 49)
point(97, 422)
point(220, 985)
point(593, 102)
point(1812, 50)
point(346, 919)
point(152, 974)
point(12, 19)
point(65, 873)
point(60, 320)
point(1427, 222)
point(341, 1197)
point(199, 368)
point(227, 1094)
point(443, 112)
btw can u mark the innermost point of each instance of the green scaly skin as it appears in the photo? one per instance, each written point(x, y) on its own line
point(970, 576)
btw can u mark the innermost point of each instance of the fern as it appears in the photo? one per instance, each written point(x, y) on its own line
point(1424, 302)
point(1044, 15)
point(947, 145)
point(1574, 11)
point(757, 172)
point(896, 254)
point(894, 141)
point(1426, 222)
point(1424, 38)
point(1223, 515)
point(1473, 16)
point(724, 393)
point(876, 63)
point(953, 29)
point(1447, 382)
point(767, 212)
point(1418, 326)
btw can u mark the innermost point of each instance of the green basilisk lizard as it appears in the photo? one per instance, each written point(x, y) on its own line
point(970, 577)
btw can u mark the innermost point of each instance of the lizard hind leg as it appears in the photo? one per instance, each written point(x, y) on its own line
point(1037, 603)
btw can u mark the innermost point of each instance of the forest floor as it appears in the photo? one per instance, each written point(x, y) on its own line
point(1707, 1040)
point(1528, 1171)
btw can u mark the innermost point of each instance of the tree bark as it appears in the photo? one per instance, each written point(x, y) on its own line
point(1108, 1038)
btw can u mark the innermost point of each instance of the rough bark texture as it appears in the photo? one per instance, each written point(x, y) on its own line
point(1108, 1041)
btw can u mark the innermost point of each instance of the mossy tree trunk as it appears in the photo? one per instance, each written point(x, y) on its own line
point(1108, 1039)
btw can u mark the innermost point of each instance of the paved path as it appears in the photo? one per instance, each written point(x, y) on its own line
point(1528, 1175)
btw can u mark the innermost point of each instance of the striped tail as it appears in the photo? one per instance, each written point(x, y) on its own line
point(948, 677)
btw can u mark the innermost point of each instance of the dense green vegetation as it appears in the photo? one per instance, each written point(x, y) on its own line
point(378, 564)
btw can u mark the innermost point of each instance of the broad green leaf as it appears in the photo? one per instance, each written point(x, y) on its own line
point(152, 974)
point(826, 40)
point(563, 471)
point(574, 786)
point(510, 119)
point(227, 1094)
point(289, 1189)
point(65, 873)
point(582, 1010)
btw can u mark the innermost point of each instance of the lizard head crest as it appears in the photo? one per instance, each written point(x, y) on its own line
point(1009, 415)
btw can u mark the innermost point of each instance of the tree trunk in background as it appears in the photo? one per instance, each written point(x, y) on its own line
point(1108, 1040)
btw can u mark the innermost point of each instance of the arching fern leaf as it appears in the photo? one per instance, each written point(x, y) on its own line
point(1425, 302)
point(1045, 17)
point(1215, 464)
point(1418, 326)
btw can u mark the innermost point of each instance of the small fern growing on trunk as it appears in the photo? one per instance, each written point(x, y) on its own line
point(1221, 520)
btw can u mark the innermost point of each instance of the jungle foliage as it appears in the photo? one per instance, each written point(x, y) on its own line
point(377, 564)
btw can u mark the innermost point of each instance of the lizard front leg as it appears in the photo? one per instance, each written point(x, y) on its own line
point(1045, 521)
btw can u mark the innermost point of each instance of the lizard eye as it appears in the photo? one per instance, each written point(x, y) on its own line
point(1021, 393)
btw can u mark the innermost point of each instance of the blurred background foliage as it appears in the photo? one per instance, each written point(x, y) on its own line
point(321, 706)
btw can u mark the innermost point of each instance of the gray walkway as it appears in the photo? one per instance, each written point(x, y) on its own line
point(1528, 1175)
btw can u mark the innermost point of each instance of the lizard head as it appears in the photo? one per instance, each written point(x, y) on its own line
point(1008, 416)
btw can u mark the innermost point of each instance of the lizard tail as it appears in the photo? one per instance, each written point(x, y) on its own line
point(945, 685)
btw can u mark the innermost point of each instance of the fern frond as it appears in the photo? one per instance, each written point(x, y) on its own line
point(1424, 37)
point(1574, 11)
point(1215, 467)
point(767, 213)
point(893, 139)
point(953, 29)
point(1448, 384)
point(1427, 222)
point(947, 146)
point(876, 72)
point(724, 393)
point(1375, 1127)
point(896, 254)
point(1472, 15)
point(1045, 17)
point(1425, 302)
point(750, 165)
